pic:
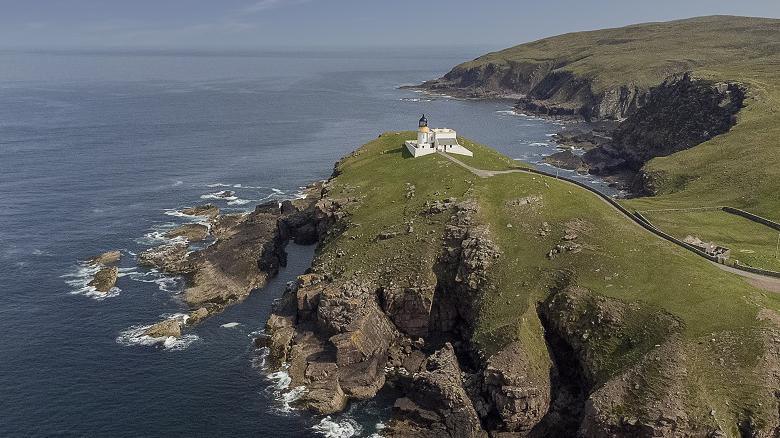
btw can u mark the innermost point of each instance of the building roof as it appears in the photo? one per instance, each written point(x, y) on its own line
point(447, 141)
point(423, 120)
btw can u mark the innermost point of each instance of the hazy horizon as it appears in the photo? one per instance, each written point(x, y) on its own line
point(263, 25)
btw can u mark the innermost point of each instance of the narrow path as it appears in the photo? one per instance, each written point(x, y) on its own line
point(770, 284)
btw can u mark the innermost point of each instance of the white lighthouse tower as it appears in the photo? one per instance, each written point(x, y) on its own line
point(423, 133)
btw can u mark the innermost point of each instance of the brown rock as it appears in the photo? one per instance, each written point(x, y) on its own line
point(167, 258)
point(104, 279)
point(191, 232)
point(107, 258)
point(197, 316)
point(207, 210)
point(165, 329)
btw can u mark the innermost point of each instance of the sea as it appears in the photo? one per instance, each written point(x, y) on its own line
point(101, 149)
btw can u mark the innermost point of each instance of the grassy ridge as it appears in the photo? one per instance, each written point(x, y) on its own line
point(619, 260)
point(740, 168)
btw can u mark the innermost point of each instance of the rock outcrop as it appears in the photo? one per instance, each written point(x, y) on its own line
point(165, 329)
point(206, 210)
point(104, 279)
point(566, 160)
point(191, 232)
point(107, 258)
point(436, 404)
point(247, 252)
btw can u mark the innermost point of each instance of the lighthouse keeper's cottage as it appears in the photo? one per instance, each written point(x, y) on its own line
point(436, 139)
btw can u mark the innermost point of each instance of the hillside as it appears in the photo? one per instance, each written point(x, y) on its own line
point(686, 148)
point(517, 303)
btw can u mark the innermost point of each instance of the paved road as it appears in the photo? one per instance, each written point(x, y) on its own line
point(770, 284)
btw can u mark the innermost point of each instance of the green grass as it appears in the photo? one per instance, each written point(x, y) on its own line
point(751, 243)
point(621, 261)
point(740, 168)
point(486, 158)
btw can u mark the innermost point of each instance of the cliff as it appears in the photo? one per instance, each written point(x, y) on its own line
point(447, 288)
point(673, 86)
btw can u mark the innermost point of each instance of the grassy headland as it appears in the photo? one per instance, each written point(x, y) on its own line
point(667, 295)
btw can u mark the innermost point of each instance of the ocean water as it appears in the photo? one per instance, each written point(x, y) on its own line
point(98, 151)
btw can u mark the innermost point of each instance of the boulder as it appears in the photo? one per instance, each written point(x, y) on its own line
point(107, 258)
point(165, 329)
point(104, 279)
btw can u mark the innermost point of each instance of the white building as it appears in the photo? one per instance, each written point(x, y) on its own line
point(436, 139)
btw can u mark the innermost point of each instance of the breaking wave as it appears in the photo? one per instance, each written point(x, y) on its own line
point(341, 428)
point(79, 280)
point(135, 336)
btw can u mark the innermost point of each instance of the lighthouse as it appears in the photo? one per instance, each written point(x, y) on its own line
point(423, 133)
point(431, 140)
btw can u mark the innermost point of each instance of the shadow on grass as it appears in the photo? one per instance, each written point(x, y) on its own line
point(400, 150)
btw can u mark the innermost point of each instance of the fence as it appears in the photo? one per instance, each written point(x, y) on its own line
point(753, 217)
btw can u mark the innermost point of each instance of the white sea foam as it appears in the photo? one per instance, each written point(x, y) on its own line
point(507, 112)
point(231, 325)
point(79, 279)
point(135, 336)
point(283, 395)
point(539, 144)
point(218, 185)
point(220, 196)
point(178, 183)
point(157, 236)
point(549, 135)
point(340, 428)
point(239, 201)
point(166, 283)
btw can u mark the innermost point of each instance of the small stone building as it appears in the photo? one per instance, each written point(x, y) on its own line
point(709, 248)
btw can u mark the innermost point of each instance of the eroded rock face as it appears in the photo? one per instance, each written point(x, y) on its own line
point(519, 396)
point(104, 279)
point(462, 271)
point(677, 115)
point(437, 406)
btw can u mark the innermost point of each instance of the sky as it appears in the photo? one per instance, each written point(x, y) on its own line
point(264, 24)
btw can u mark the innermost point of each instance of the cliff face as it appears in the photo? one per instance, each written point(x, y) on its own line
point(676, 115)
point(541, 88)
